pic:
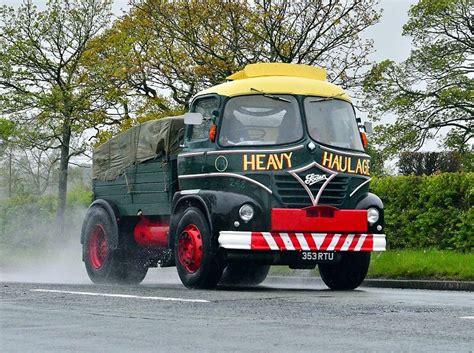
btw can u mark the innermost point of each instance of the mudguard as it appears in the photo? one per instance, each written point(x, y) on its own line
point(114, 216)
point(372, 200)
point(221, 209)
point(368, 201)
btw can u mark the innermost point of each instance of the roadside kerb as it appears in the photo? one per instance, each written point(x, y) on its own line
point(382, 283)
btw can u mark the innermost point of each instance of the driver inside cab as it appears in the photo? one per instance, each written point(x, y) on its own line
point(260, 120)
point(235, 132)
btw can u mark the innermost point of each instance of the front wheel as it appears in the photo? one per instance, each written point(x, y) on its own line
point(347, 274)
point(195, 254)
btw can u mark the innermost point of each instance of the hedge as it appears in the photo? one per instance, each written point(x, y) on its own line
point(428, 211)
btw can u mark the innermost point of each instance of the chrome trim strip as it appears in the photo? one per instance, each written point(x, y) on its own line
point(190, 192)
point(343, 152)
point(303, 184)
point(290, 149)
point(320, 192)
point(190, 154)
point(235, 240)
point(357, 188)
point(231, 175)
point(312, 164)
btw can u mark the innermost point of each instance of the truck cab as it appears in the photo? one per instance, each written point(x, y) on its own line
point(272, 171)
point(276, 157)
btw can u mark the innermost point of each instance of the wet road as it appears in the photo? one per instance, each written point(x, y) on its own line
point(274, 317)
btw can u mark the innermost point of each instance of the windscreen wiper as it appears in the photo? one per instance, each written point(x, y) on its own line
point(271, 96)
point(327, 98)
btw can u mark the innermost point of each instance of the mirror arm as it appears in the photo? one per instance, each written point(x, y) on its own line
point(181, 135)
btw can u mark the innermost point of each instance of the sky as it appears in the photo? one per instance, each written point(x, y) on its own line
point(387, 34)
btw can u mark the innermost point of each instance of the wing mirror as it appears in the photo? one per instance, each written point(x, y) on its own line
point(368, 127)
point(193, 118)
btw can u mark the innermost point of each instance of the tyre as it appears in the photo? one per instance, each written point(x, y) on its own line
point(347, 274)
point(103, 263)
point(242, 274)
point(131, 271)
point(195, 254)
point(132, 267)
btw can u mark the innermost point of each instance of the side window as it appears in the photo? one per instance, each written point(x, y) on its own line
point(205, 106)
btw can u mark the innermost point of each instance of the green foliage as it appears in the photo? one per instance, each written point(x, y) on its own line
point(44, 84)
point(377, 160)
point(27, 223)
point(430, 92)
point(79, 196)
point(410, 264)
point(426, 264)
point(185, 46)
point(7, 130)
point(428, 211)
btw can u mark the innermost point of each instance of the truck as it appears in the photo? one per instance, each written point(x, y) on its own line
point(268, 168)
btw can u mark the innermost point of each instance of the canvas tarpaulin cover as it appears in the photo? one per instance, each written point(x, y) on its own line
point(138, 144)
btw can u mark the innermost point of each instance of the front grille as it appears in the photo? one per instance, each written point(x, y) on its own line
point(293, 195)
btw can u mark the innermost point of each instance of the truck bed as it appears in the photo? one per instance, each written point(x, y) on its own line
point(147, 186)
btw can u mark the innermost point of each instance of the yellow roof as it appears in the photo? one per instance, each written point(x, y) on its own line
point(279, 69)
point(278, 78)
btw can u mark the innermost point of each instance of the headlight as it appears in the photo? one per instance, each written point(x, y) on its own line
point(372, 215)
point(246, 212)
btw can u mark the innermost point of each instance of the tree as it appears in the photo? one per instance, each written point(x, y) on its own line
point(433, 89)
point(377, 161)
point(7, 138)
point(34, 167)
point(428, 163)
point(185, 46)
point(43, 84)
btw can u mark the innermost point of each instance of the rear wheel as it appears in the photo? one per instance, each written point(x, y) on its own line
point(242, 274)
point(347, 274)
point(195, 254)
point(104, 264)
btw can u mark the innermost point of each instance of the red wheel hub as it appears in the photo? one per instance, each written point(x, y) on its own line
point(190, 248)
point(97, 246)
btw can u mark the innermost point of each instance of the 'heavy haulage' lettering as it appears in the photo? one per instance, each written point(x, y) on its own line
point(257, 162)
point(346, 164)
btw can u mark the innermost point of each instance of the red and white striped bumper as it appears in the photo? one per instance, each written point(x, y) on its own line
point(265, 241)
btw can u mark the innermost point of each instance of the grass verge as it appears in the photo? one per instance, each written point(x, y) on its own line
point(409, 264)
point(423, 264)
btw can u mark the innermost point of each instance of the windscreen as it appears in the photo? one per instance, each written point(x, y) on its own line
point(332, 122)
point(261, 120)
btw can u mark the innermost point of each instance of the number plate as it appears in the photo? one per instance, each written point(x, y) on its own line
point(318, 256)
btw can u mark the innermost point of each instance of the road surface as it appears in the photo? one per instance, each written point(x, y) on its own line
point(166, 317)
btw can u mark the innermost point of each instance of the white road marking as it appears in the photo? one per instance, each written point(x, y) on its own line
point(120, 296)
point(467, 317)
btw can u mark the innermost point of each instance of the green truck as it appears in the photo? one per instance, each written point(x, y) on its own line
point(266, 169)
